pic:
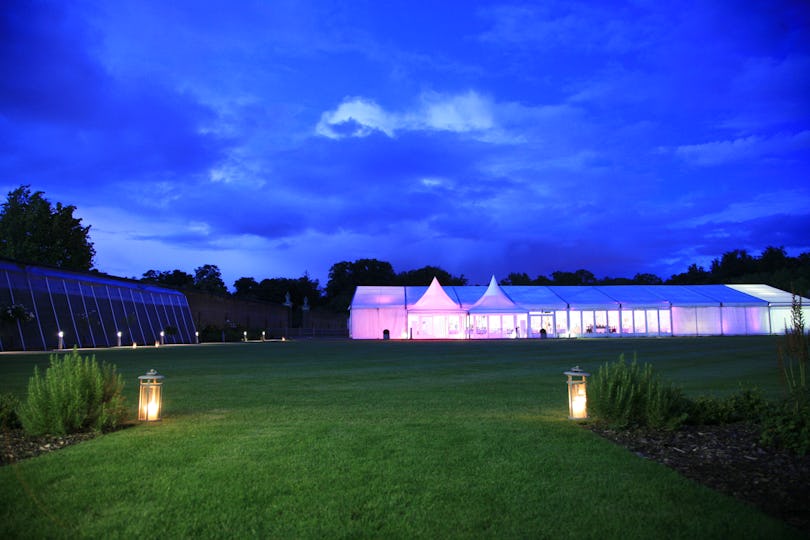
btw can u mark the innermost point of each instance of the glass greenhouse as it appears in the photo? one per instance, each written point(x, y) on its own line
point(497, 312)
point(45, 308)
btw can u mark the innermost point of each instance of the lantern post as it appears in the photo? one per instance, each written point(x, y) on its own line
point(577, 393)
point(150, 401)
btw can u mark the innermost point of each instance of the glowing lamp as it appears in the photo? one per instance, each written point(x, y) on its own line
point(118, 335)
point(150, 401)
point(577, 393)
point(61, 335)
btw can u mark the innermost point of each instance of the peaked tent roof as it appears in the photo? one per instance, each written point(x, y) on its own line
point(435, 299)
point(494, 300)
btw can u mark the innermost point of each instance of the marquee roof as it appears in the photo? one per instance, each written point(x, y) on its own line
point(494, 300)
point(523, 298)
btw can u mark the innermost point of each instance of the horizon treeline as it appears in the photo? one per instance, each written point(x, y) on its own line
point(772, 267)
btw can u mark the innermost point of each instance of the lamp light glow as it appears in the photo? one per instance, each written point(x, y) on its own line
point(150, 400)
point(577, 393)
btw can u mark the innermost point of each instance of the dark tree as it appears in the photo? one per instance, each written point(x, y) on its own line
point(344, 277)
point(276, 289)
point(245, 287)
point(517, 278)
point(33, 231)
point(176, 278)
point(773, 259)
point(732, 265)
point(424, 275)
point(647, 279)
point(695, 275)
point(580, 277)
point(208, 278)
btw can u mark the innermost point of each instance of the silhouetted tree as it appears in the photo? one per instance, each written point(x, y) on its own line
point(344, 277)
point(245, 287)
point(276, 289)
point(176, 278)
point(208, 278)
point(647, 279)
point(773, 259)
point(732, 264)
point(580, 277)
point(33, 231)
point(695, 275)
point(424, 275)
point(517, 278)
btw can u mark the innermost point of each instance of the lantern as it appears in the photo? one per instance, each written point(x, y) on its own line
point(577, 394)
point(150, 402)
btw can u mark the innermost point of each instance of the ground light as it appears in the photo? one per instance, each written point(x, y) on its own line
point(150, 401)
point(577, 393)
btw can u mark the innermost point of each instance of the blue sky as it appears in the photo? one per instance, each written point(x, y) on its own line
point(277, 138)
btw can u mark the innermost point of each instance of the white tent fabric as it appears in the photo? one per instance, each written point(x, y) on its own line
point(508, 311)
point(494, 300)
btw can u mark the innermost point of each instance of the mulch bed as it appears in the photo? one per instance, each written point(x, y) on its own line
point(727, 458)
point(16, 445)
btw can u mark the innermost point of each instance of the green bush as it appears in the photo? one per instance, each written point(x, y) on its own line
point(745, 405)
point(629, 395)
point(8, 412)
point(74, 394)
point(787, 425)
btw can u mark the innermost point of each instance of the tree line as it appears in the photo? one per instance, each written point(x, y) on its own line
point(33, 231)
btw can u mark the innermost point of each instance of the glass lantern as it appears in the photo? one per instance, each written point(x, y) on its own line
point(577, 393)
point(150, 401)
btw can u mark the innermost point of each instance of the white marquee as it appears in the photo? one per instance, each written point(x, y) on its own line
point(517, 311)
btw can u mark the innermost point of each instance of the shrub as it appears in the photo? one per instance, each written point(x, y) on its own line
point(629, 395)
point(8, 412)
point(788, 425)
point(745, 405)
point(74, 394)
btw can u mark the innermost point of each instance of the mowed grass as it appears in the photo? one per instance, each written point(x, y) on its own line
point(329, 439)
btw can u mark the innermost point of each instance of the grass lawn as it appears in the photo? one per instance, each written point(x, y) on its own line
point(378, 439)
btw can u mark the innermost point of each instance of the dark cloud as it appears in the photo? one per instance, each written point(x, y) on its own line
point(69, 120)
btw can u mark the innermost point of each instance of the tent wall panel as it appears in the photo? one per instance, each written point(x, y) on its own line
point(371, 323)
point(734, 320)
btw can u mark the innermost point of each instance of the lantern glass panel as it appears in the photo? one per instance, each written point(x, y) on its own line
point(150, 399)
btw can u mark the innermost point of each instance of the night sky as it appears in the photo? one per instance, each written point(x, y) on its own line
point(276, 138)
